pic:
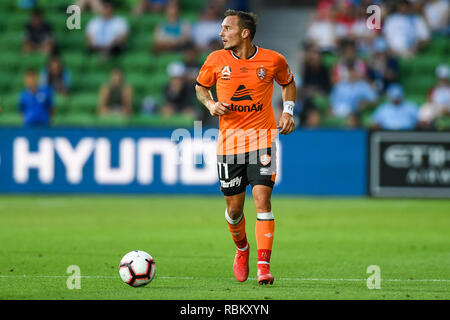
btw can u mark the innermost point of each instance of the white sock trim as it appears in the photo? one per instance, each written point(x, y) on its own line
point(231, 221)
point(265, 216)
point(244, 248)
point(263, 262)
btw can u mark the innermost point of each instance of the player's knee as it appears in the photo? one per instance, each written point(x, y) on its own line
point(262, 204)
point(235, 211)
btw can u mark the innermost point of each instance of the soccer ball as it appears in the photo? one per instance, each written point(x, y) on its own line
point(137, 268)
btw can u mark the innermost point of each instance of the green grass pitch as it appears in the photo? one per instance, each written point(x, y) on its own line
point(322, 247)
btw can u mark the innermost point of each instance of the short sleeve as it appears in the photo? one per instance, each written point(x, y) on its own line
point(207, 76)
point(283, 73)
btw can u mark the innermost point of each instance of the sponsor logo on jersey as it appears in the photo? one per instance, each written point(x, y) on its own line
point(226, 73)
point(268, 235)
point(236, 182)
point(247, 108)
point(264, 159)
point(241, 93)
point(261, 72)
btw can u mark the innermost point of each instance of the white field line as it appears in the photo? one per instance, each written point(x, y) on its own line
point(207, 278)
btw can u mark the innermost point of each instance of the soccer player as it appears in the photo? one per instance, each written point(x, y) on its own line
point(244, 74)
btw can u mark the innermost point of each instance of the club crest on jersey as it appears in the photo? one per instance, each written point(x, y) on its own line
point(261, 72)
point(226, 72)
point(264, 159)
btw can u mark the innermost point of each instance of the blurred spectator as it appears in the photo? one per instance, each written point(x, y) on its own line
point(344, 13)
point(438, 103)
point(206, 31)
point(351, 96)
point(26, 4)
point(38, 34)
point(173, 34)
point(306, 112)
point(107, 34)
point(362, 35)
point(56, 76)
point(322, 31)
point(349, 56)
point(396, 114)
point(437, 15)
point(383, 68)
point(192, 64)
point(36, 102)
point(178, 94)
point(223, 5)
point(95, 6)
point(405, 32)
point(144, 6)
point(116, 97)
point(316, 76)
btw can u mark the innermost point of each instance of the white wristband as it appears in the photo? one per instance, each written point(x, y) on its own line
point(288, 107)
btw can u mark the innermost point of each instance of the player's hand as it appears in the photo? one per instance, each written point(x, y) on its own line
point(286, 123)
point(218, 108)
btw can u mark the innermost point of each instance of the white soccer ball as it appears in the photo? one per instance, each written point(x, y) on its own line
point(137, 268)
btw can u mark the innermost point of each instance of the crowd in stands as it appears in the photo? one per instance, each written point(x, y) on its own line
point(107, 37)
point(353, 75)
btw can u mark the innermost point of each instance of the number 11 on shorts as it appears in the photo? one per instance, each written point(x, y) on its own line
point(225, 170)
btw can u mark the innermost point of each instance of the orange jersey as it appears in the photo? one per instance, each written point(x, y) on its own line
point(247, 86)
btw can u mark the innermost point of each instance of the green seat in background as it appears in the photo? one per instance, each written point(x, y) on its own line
point(74, 120)
point(175, 121)
point(83, 103)
point(113, 121)
point(443, 123)
point(75, 61)
point(10, 102)
point(89, 82)
point(10, 119)
point(321, 102)
point(333, 122)
point(35, 61)
point(142, 62)
point(6, 82)
point(163, 60)
point(16, 22)
point(71, 40)
point(147, 22)
point(192, 5)
point(12, 41)
point(141, 42)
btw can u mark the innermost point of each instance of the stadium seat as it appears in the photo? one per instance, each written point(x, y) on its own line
point(12, 40)
point(10, 119)
point(443, 123)
point(91, 83)
point(75, 61)
point(138, 61)
point(193, 5)
point(113, 121)
point(10, 102)
point(83, 103)
point(164, 60)
point(74, 120)
point(35, 60)
point(141, 42)
point(333, 122)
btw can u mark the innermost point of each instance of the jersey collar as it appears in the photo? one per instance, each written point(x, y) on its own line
point(249, 58)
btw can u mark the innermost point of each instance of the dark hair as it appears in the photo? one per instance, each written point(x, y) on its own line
point(247, 20)
point(31, 71)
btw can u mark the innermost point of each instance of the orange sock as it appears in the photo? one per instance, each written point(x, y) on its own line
point(264, 229)
point(237, 230)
